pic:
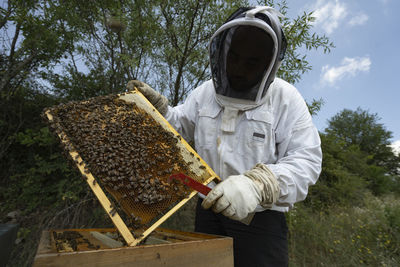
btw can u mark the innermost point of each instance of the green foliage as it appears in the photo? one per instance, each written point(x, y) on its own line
point(38, 38)
point(361, 146)
point(340, 183)
point(350, 236)
point(43, 178)
point(347, 175)
point(185, 29)
point(392, 213)
point(363, 129)
point(315, 106)
point(164, 43)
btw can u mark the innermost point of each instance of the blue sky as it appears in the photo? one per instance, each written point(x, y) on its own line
point(362, 71)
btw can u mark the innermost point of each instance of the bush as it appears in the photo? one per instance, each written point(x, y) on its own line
point(346, 236)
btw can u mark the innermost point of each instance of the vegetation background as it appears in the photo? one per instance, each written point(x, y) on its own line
point(57, 51)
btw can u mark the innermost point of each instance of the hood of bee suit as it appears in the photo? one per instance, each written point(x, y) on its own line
point(227, 94)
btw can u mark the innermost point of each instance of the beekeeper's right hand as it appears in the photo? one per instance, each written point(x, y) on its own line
point(159, 101)
point(238, 196)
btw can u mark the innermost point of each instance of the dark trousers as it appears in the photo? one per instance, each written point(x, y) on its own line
point(262, 243)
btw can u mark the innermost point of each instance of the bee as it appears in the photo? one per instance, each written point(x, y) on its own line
point(112, 212)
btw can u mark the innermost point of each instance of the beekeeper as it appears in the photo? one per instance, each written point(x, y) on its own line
point(255, 132)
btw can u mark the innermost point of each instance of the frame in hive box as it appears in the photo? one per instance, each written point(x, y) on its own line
point(162, 247)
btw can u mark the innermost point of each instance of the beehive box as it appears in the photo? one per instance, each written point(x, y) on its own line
point(161, 248)
point(127, 151)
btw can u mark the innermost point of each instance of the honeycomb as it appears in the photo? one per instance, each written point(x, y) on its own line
point(131, 150)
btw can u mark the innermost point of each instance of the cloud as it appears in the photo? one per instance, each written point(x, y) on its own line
point(359, 20)
point(396, 147)
point(328, 14)
point(349, 67)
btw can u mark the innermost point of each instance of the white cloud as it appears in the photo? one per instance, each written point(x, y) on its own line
point(328, 14)
point(349, 67)
point(359, 20)
point(396, 147)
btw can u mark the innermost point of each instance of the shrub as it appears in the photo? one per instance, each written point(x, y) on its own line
point(345, 236)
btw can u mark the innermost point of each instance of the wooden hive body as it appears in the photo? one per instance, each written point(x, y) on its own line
point(162, 248)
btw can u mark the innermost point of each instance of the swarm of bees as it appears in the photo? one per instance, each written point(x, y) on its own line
point(127, 151)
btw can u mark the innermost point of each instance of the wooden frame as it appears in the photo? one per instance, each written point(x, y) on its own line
point(183, 249)
point(136, 97)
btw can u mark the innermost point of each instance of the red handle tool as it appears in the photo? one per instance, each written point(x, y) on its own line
point(192, 183)
point(199, 187)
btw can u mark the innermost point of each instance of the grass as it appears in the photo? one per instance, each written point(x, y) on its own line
point(352, 236)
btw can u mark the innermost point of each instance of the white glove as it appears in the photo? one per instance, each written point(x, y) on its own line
point(159, 101)
point(238, 196)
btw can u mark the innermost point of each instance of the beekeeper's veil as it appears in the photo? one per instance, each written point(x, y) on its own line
point(264, 18)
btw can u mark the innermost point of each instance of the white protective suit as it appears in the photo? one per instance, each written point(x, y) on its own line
point(278, 133)
point(259, 136)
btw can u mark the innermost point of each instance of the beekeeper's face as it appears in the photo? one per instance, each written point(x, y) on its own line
point(248, 57)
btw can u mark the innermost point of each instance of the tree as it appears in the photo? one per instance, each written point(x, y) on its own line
point(139, 39)
point(363, 129)
point(34, 36)
point(165, 43)
point(116, 39)
point(38, 37)
point(356, 156)
point(183, 59)
point(356, 160)
point(341, 181)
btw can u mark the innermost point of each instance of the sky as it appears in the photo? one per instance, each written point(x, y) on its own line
point(362, 69)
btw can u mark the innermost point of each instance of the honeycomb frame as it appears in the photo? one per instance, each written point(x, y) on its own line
point(115, 201)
